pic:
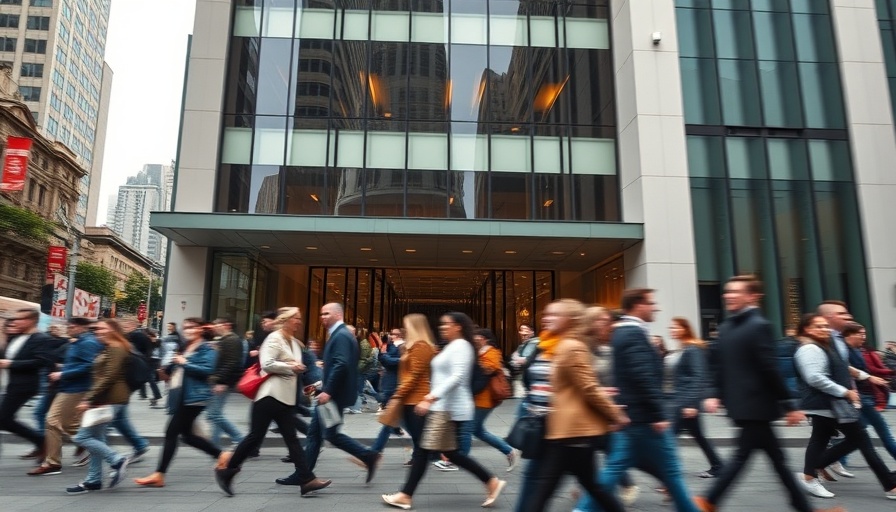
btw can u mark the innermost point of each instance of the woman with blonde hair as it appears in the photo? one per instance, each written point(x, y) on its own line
point(280, 357)
point(109, 388)
point(579, 413)
point(689, 382)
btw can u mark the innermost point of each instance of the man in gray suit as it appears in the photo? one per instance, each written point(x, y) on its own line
point(340, 385)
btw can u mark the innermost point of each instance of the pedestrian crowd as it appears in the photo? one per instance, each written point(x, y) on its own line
point(603, 397)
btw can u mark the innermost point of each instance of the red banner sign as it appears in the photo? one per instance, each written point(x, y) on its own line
point(141, 312)
point(56, 259)
point(15, 163)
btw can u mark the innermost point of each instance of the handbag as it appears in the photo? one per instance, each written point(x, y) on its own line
point(391, 415)
point(527, 435)
point(844, 411)
point(251, 381)
point(499, 387)
point(439, 432)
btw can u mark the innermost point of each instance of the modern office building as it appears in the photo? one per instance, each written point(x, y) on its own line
point(56, 50)
point(492, 155)
point(129, 211)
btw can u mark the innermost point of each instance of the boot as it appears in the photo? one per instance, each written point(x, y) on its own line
point(154, 480)
point(224, 477)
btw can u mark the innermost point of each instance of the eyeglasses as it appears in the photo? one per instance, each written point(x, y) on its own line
point(820, 326)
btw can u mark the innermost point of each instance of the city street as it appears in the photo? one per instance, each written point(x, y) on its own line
point(191, 486)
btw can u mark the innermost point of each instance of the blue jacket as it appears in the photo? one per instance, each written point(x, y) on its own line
point(341, 356)
point(389, 381)
point(78, 366)
point(195, 389)
point(690, 379)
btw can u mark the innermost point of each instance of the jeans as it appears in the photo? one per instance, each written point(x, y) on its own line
point(875, 419)
point(153, 381)
point(465, 436)
point(317, 434)
point(93, 439)
point(640, 444)
point(560, 458)
point(214, 412)
point(481, 433)
point(123, 425)
point(42, 407)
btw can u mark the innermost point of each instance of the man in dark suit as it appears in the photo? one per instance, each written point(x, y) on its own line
point(340, 385)
point(26, 354)
point(750, 386)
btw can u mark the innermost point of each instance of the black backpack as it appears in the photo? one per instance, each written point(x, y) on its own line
point(137, 371)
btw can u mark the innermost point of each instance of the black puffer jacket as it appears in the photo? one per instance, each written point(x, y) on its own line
point(639, 374)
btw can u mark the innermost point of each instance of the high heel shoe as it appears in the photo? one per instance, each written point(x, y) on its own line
point(494, 493)
point(154, 480)
point(396, 501)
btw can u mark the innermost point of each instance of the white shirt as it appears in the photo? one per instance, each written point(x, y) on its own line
point(15, 345)
point(334, 327)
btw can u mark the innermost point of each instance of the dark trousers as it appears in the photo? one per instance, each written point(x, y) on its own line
point(693, 427)
point(420, 462)
point(317, 434)
point(12, 402)
point(263, 412)
point(153, 381)
point(855, 438)
point(579, 461)
point(758, 435)
point(413, 425)
point(181, 425)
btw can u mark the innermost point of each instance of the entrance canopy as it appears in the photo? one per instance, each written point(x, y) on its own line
point(405, 243)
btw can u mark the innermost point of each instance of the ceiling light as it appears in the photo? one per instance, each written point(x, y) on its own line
point(315, 198)
point(467, 251)
point(311, 247)
point(387, 115)
point(509, 252)
point(374, 259)
point(558, 253)
point(264, 246)
point(547, 203)
point(451, 200)
point(581, 254)
point(366, 249)
point(410, 250)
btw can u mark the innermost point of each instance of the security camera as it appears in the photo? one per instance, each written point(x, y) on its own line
point(656, 37)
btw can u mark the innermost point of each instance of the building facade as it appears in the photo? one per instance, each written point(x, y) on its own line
point(128, 214)
point(104, 247)
point(56, 50)
point(490, 156)
point(51, 192)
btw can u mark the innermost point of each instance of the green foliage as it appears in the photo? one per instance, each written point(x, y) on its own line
point(25, 223)
point(135, 291)
point(95, 279)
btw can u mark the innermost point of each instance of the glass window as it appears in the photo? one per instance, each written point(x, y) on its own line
point(695, 32)
point(427, 91)
point(305, 192)
point(774, 36)
point(38, 23)
point(591, 87)
point(511, 151)
point(42, 3)
point(388, 81)
point(469, 72)
point(507, 23)
point(746, 158)
point(511, 195)
point(243, 76)
point(468, 195)
point(830, 160)
point(712, 229)
point(349, 85)
point(787, 159)
point(9, 20)
point(734, 34)
point(510, 84)
point(275, 77)
point(35, 46)
point(780, 94)
point(428, 194)
point(706, 157)
point(596, 198)
point(822, 96)
point(739, 93)
point(32, 69)
point(29, 93)
point(814, 38)
point(700, 88)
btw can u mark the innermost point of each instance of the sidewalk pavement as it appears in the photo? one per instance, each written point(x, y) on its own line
point(151, 423)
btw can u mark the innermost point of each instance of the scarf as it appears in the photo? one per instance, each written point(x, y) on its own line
point(547, 343)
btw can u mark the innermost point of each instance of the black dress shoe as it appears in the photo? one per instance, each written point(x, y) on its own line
point(372, 461)
point(292, 479)
point(286, 460)
point(255, 454)
point(315, 485)
point(224, 477)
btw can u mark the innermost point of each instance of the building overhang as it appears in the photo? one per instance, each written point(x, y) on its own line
point(400, 242)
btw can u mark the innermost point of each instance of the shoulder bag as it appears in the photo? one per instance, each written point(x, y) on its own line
point(251, 381)
point(527, 436)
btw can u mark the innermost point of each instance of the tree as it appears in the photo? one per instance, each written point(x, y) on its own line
point(95, 279)
point(135, 289)
point(25, 223)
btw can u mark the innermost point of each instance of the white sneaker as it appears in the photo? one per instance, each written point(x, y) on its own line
point(513, 458)
point(814, 487)
point(444, 465)
point(628, 495)
point(891, 494)
point(840, 470)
